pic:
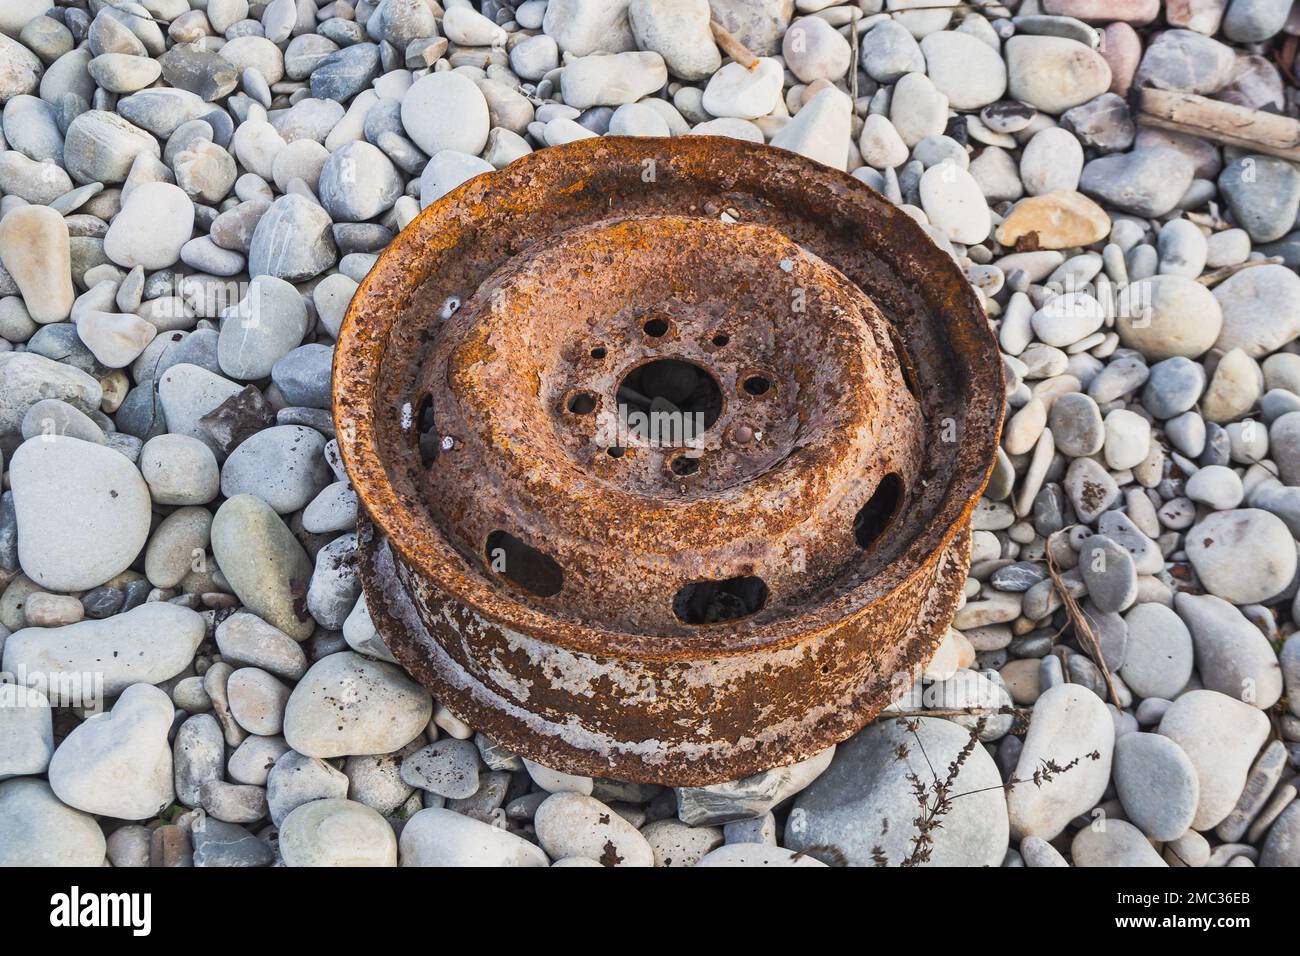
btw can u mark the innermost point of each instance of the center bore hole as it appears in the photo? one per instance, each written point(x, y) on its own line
point(672, 386)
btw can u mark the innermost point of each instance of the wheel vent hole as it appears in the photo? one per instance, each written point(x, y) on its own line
point(874, 516)
point(710, 602)
point(523, 565)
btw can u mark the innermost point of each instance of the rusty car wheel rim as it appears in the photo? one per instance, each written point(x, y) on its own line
point(604, 600)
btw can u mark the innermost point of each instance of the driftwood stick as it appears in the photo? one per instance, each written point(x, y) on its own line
point(1218, 275)
point(1255, 130)
point(729, 45)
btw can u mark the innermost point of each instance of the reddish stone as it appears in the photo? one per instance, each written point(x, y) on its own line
point(1105, 11)
point(1203, 16)
point(1121, 48)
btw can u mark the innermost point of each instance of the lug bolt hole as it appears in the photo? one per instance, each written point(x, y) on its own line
point(683, 466)
point(656, 328)
point(598, 352)
point(581, 403)
point(757, 385)
point(614, 451)
point(721, 339)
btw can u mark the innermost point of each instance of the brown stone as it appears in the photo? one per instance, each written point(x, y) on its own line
point(1055, 220)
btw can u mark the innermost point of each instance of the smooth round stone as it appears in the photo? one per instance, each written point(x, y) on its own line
point(179, 470)
point(20, 70)
point(37, 829)
point(446, 111)
point(256, 700)
point(1039, 853)
point(821, 129)
point(148, 644)
point(123, 73)
point(303, 375)
point(31, 127)
point(573, 824)
point(1146, 182)
point(246, 639)
point(1284, 441)
point(119, 764)
point(448, 767)
point(737, 92)
point(386, 711)
point(954, 203)
point(1117, 844)
point(292, 241)
point(1052, 160)
point(678, 30)
point(358, 182)
point(964, 68)
point(335, 584)
point(1067, 319)
point(1243, 556)
point(1068, 722)
point(676, 844)
point(50, 416)
point(100, 147)
point(438, 837)
point(1261, 310)
point(36, 182)
point(917, 109)
point(637, 119)
point(1167, 316)
point(82, 512)
point(756, 854)
point(1186, 60)
point(35, 251)
point(198, 756)
point(26, 729)
point(336, 833)
point(257, 145)
point(1128, 439)
point(1173, 387)
point(263, 562)
point(879, 143)
point(205, 172)
point(264, 327)
point(1122, 376)
point(1183, 249)
point(814, 50)
point(333, 510)
point(1156, 784)
point(1217, 486)
point(864, 801)
point(534, 57)
point(1053, 74)
point(582, 26)
point(1077, 425)
point(1282, 845)
point(1109, 574)
point(889, 51)
point(1158, 655)
point(283, 465)
point(1232, 655)
point(295, 780)
point(1058, 220)
point(1263, 193)
point(449, 169)
point(612, 79)
point(1221, 736)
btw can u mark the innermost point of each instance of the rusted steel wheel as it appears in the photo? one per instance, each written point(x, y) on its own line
point(608, 601)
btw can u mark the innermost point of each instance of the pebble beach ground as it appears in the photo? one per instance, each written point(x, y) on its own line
point(170, 470)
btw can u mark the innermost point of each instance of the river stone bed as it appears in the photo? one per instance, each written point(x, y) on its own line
point(190, 193)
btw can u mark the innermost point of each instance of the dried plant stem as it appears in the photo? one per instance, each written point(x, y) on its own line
point(1082, 628)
